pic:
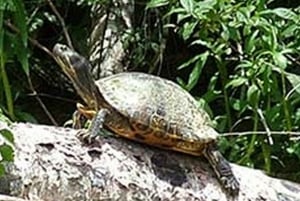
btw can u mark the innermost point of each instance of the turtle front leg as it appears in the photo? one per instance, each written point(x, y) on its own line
point(95, 127)
point(78, 120)
point(222, 169)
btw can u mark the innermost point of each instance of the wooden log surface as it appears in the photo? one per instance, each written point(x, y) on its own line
point(52, 164)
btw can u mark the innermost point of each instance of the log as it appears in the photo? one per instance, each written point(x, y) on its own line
point(52, 164)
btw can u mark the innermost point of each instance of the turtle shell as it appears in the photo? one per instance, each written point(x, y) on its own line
point(159, 104)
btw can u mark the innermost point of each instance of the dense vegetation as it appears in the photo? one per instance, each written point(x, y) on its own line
point(239, 58)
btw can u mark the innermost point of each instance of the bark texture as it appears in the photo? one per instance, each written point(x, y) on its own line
point(111, 22)
point(52, 164)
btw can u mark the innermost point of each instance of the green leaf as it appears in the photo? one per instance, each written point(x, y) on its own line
point(7, 134)
point(7, 152)
point(251, 42)
point(202, 42)
point(205, 6)
point(188, 29)
point(236, 82)
point(188, 5)
point(182, 17)
point(189, 62)
point(238, 104)
point(20, 20)
point(180, 82)
point(252, 95)
point(2, 170)
point(225, 34)
point(273, 39)
point(7, 5)
point(1, 32)
point(295, 81)
point(241, 17)
point(280, 60)
point(3, 75)
point(285, 13)
point(157, 3)
point(6, 149)
point(260, 4)
point(195, 74)
point(24, 116)
point(4, 118)
point(22, 55)
point(294, 149)
point(290, 30)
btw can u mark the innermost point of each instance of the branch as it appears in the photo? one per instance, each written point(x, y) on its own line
point(51, 164)
point(46, 50)
point(62, 22)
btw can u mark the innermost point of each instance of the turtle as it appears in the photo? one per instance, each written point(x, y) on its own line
point(148, 109)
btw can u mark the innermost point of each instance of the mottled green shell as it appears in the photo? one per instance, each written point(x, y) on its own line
point(159, 104)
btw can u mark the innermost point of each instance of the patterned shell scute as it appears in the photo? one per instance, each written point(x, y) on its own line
point(157, 103)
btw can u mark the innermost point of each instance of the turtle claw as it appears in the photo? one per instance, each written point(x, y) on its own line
point(95, 128)
point(223, 170)
point(88, 137)
point(85, 136)
point(231, 185)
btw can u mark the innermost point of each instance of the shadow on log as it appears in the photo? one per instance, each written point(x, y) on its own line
point(52, 164)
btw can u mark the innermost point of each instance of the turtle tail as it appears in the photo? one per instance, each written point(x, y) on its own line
point(222, 169)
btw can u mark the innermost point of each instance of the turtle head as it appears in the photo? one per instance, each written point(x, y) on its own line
point(77, 68)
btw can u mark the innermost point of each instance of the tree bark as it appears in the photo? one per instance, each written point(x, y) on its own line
point(111, 22)
point(52, 164)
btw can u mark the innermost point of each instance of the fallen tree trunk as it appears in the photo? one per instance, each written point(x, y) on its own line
point(52, 164)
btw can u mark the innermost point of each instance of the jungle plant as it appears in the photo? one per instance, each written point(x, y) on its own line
point(251, 51)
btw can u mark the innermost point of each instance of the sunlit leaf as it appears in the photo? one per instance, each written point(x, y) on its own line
point(189, 62)
point(237, 82)
point(195, 74)
point(7, 135)
point(280, 60)
point(252, 95)
point(157, 3)
point(225, 34)
point(188, 29)
point(188, 5)
point(20, 20)
point(251, 42)
point(7, 152)
point(284, 13)
point(272, 38)
point(294, 80)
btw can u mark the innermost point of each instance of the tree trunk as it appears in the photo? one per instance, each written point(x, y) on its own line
point(52, 164)
point(111, 21)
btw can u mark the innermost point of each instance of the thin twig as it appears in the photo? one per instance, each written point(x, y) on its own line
point(264, 122)
point(292, 59)
point(288, 133)
point(54, 97)
point(33, 41)
point(62, 22)
point(36, 43)
point(41, 102)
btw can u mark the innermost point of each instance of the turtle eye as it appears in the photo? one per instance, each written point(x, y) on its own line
point(63, 48)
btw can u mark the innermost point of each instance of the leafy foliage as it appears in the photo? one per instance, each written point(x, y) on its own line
point(240, 57)
point(6, 144)
point(12, 46)
point(251, 53)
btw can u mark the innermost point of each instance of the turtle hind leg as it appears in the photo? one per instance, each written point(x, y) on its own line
point(95, 128)
point(222, 169)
